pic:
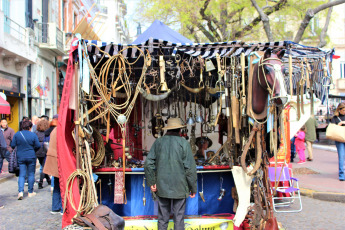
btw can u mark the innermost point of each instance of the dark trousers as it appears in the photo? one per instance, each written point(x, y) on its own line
point(164, 208)
point(4, 154)
point(42, 161)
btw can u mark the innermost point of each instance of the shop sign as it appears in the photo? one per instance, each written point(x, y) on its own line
point(9, 83)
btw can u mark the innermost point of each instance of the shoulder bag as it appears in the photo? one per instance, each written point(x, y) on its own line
point(335, 132)
point(13, 166)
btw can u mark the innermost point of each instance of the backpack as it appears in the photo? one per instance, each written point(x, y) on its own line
point(42, 152)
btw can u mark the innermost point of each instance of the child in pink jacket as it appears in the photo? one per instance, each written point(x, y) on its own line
point(299, 143)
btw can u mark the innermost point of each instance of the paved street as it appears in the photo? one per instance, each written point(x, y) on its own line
point(316, 215)
point(29, 213)
point(34, 213)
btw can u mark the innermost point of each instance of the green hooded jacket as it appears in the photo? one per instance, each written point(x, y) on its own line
point(310, 125)
point(171, 166)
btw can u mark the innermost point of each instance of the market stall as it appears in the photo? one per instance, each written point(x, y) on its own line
point(117, 98)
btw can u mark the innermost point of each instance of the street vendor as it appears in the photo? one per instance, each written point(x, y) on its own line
point(203, 144)
point(171, 173)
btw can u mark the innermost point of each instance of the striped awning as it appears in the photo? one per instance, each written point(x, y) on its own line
point(205, 50)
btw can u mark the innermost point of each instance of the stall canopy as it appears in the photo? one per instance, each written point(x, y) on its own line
point(161, 31)
point(4, 106)
point(228, 49)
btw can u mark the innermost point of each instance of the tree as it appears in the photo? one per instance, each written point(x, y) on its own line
point(249, 20)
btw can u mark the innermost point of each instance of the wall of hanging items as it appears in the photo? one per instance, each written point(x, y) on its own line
point(231, 95)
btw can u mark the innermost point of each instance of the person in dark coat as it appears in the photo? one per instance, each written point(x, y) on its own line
point(42, 126)
point(171, 173)
point(27, 144)
point(3, 150)
point(339, 119)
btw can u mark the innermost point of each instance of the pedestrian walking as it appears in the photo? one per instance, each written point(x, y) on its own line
point(171, 173)
point(21, 122)
point(299, 143)
point(42, 126)
point(34, 121)
point(310, 136)
point(51, 166)
point(339, 119)
point(292, 149)
point(3, 150)
point(27, 144)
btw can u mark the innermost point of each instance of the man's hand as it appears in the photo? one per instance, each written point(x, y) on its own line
point(192, 195)
point(154, 188)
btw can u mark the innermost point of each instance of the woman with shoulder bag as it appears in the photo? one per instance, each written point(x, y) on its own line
point(42, 126)
point(27, 144)
point(339, 119)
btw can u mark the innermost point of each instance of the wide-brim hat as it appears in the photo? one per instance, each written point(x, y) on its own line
point(174, 123)
point(203, 139)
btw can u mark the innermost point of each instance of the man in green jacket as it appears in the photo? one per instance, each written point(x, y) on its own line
point(170, 171)
point(310, 135)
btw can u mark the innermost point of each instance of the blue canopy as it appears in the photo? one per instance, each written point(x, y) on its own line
point(159, 30)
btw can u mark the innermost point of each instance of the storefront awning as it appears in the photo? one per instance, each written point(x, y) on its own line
point(5, 107)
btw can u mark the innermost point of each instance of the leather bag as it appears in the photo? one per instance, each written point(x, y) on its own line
point(101, 218)
point(335, 132)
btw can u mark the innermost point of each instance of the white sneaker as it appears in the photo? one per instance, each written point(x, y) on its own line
point(56, 212)
point(20, 196)
point(32, 194)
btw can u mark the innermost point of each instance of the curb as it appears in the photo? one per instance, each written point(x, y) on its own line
point(325, 147)
point(325, 196)
point(9, 176)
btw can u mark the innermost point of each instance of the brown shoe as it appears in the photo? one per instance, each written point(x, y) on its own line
point(308, 159)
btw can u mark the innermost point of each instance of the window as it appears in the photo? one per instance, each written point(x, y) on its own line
point(75, 19)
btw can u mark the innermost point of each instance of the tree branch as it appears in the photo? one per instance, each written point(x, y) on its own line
point(192, 31)
point(310, 14)
point(325, 28)
point(257, 20)
point(206, 32)
point(209, 20)
point(265, 21)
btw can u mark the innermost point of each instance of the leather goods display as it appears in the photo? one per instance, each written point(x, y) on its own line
point(335, 132)
point(101, 218)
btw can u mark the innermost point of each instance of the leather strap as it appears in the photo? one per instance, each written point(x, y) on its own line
point(96, 221)
point(258, 156)
point(246, 147)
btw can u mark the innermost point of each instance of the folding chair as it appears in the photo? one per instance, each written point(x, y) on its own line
point(287, 185)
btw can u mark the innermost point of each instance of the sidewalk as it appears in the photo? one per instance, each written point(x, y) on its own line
point(5, 175)
point(319, 178)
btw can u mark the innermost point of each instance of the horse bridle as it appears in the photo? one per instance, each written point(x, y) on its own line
point(277, 72)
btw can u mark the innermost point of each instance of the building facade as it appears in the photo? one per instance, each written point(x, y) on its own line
point(336, 33)
point(17, 51)
point(34, 42)
point(110, 23)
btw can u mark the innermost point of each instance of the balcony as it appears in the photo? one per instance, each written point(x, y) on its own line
point(50, 37)
point(16, 43)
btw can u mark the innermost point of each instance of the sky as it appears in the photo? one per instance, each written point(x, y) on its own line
point(130, 17)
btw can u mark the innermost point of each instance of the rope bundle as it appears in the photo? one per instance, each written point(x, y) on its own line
point(98, 157)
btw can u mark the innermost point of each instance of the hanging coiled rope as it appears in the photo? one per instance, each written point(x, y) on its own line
point(98, 156)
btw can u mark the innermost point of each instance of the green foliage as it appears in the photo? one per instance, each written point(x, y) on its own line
point(224, 20)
